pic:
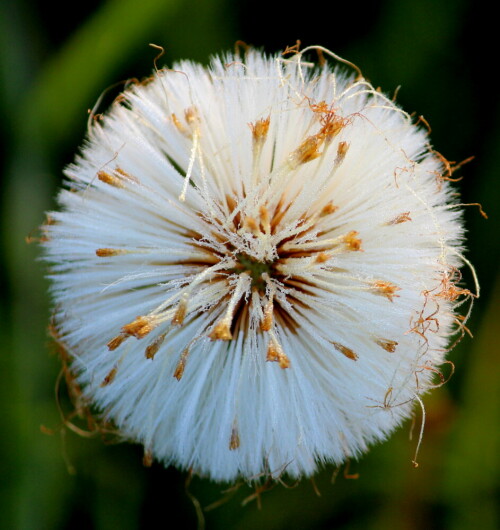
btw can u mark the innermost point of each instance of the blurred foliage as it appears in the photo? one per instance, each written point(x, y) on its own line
point(53, 66)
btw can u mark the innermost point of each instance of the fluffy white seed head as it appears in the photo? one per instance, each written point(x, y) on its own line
point(254, 266)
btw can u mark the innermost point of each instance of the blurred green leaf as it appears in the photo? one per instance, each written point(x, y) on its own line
point(72, 78)
point(472, 473)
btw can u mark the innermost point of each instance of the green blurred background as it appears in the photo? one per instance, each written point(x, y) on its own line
point(54, 63)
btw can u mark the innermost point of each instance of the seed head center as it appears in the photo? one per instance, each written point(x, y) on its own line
point(255, 268)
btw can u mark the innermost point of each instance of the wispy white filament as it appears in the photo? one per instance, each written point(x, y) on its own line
point(254, 266)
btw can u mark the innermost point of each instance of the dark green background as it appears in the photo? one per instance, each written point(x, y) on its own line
point(54, 64)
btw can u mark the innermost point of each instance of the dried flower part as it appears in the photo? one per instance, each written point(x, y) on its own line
point(352, 242)
point(147, 459)
point(192, 116)
point(401, 218)
point(267, 322)
point(179, 369)
point(328, 209)
point(386, 289)
point(270, 223)
point(342, 149)
point(275, 353)
point(139, 328)
point(153, 348)
point(116, 341)
point(110, 179)
point(322, 257)
point(234, 442)
point(180, 312)
point(260, 129)
point(110, 377)
point(221, 331)
point(308, 150)
point(109, 252)
point(345, 351)
point(388, 345)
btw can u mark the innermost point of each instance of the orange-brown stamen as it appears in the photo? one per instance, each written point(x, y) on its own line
point(139, 328)
point(388, 345)
point(221, 331)
point(117, 341)
point(345, 351)
point(153, 348)
point(351, 241)
point(109, 252)
point(110, 377)
point(234, 441)
point(386, 289)
point(401, 218)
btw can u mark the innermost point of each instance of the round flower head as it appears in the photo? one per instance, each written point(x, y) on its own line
point(254, 265)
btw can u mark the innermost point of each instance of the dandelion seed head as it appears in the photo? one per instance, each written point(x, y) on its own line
point(254, 265)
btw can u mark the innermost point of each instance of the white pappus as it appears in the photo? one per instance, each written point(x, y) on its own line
point(254, 265)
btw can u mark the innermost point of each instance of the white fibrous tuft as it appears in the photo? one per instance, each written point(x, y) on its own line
point(255, 265)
